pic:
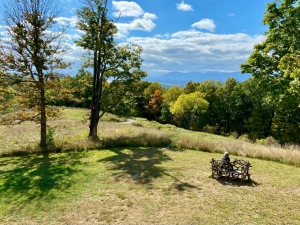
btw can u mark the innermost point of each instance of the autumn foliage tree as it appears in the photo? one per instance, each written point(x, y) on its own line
point(29, 58)
point(153, 108)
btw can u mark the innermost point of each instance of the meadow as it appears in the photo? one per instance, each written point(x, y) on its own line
point(140, 172)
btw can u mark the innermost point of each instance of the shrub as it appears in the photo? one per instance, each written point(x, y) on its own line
point(50, 136)
point(271, 141)
point(210, 129)
point(234, 134)
point(244, 137)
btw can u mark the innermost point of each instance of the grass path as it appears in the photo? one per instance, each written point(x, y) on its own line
point(143, 186)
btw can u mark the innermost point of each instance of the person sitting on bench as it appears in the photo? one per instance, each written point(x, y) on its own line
point(225, 164)
point(226, 158)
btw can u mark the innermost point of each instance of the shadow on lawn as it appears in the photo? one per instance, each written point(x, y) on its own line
point(35, 176)
point(237, 182)
point(142, 165)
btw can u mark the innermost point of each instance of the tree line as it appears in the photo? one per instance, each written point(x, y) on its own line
point(233, 108)
point(110, 80)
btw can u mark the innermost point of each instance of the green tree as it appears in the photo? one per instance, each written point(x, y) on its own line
point(278, 55)
point(240, 109)
point(138, 100)
point(190, 87)
point(113, 65)
point(226, 94)
point(188, 107)
point(172, 94)
point(262, 111)
point(284, 24)
point(274, 63)
point(170, 97)
point(132, 102)
point(212, 117)
point(30, 57)
point(286, 121)
point(81, 87)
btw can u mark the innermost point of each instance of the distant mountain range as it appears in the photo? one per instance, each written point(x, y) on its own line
point(181, 79)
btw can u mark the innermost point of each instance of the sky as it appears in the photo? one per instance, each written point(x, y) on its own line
point(177, 35)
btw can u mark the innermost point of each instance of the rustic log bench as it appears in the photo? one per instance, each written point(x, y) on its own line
point(238, 169)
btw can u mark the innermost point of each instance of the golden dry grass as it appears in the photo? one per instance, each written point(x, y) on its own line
point(71, 135)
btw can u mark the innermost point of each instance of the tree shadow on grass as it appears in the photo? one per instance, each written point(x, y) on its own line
point(142, 166)
point(33, 177)
point(180, 185)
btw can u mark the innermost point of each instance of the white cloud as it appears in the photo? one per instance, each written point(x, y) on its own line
point(142, 20)
point(64, 21)
point(195, 51)
point(184, 7)
point(230, 14)
point(207, 24)
point(149, 16)
point(74, 53)
point(186, 50)
point(127, 9)
point(145, 24)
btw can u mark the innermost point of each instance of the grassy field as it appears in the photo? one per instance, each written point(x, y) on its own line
point(142, 184)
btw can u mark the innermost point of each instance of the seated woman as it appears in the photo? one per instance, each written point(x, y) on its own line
point(226, 158)
point(225, 164)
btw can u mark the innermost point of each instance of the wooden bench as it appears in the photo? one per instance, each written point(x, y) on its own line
point(238, 169)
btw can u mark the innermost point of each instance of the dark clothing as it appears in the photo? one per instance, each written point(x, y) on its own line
point(226, 159)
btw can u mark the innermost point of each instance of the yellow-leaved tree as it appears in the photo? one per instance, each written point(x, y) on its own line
point(188, 107)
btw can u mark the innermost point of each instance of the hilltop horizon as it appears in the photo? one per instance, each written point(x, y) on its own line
point(181, 78)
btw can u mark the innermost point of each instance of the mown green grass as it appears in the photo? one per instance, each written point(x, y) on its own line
point(143, 186)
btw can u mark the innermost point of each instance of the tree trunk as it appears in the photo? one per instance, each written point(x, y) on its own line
point(267, 131)
point(96, 98)
point(227, 125)
point(43, 141)
point(94, 122)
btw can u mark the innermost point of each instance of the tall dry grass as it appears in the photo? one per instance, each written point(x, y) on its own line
point(71, 135)
point(289, 154)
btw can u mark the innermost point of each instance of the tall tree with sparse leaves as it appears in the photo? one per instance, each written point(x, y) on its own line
point(30, 54)
point(115, 67)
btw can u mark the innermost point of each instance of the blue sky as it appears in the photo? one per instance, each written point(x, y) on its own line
point(184, 36)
